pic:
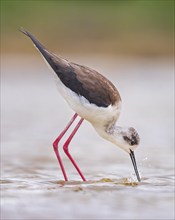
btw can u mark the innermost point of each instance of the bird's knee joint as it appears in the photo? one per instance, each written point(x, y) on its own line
point(55, 145)
point(65, 148)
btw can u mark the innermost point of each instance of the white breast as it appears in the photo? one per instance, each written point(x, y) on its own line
point(91, 112)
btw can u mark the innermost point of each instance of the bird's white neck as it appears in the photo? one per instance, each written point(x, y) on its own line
point(113, 133)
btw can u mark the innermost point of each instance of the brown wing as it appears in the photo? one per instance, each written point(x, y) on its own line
point(95, 87)
point(80, 79)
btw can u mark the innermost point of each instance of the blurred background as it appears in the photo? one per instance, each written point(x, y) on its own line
point(135, 28)
point(131, 43)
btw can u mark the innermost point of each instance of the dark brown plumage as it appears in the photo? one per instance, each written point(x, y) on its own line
point(82, 80)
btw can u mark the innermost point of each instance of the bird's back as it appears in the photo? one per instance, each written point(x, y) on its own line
point(80, 79)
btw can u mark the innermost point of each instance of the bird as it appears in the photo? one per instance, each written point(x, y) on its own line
point(93, 98)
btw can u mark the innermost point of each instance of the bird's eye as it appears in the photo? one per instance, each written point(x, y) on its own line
point(132, 142)
point(129, 141)
point(126, 138)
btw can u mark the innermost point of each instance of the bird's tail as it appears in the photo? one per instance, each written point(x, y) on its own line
point(37, 44)
point(51, 58)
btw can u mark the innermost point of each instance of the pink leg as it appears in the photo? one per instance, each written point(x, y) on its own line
point(66, 150)
point(56, 142)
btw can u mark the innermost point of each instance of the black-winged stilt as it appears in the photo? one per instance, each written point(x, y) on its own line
point(94, 98)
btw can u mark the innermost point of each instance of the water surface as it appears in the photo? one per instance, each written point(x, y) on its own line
point(33, 114)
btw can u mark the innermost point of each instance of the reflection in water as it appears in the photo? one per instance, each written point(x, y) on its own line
point(33, 114)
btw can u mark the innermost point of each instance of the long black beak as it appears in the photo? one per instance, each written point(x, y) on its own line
point(134, 164)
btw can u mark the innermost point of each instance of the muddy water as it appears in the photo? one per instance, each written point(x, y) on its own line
point(33, 114)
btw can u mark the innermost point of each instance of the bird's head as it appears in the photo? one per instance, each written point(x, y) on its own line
point(128, 140)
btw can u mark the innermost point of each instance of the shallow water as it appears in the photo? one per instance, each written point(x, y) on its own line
point(33, 114)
